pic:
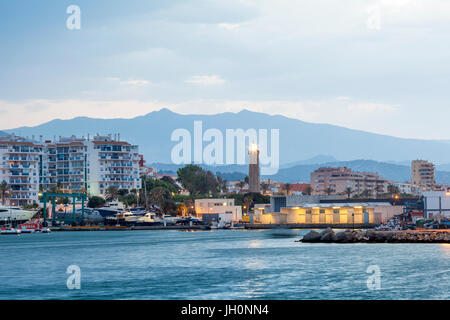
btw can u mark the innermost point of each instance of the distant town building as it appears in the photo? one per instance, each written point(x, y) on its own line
point(339, 180)
point(20, 167)
point(404, 187)
point(253, 169)
point(422, 175)
point(294, 188)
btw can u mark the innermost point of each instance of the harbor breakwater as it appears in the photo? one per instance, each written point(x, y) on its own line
point(372, 236)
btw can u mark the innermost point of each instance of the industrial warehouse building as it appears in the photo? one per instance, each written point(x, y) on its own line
point(332, 213)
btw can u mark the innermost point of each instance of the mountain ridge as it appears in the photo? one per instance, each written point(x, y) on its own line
point(298, 139)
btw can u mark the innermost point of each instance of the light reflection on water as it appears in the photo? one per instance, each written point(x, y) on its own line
point(234, 264)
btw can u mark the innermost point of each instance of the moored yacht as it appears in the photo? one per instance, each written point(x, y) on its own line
point(15, 214)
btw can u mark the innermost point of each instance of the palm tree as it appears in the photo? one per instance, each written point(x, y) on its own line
point(112, 193)
point(287, 188)
point(248, 202)
point(366, 193)
point(241, 185)
point(264, 187)
point(159, 196)
point(222, 184)
point(349, 192)
point(393, 189)
point(329, 191)
point(378, 190)
point(4, 191)
point(308, 190)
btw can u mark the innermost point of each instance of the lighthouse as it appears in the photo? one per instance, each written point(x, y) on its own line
point(253, 168)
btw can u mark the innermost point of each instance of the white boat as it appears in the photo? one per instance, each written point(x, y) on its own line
point(149, 217)
point(9, 231)
point(15, 214)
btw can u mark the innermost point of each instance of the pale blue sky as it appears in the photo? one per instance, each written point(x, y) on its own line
point(376, 65)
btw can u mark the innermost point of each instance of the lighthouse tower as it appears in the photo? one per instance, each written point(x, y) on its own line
point(253, 168)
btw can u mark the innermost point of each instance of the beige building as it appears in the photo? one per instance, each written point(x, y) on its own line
point(332, 213)
point(337, 180)
point(422, 175)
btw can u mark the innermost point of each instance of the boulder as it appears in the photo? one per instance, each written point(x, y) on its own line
point(343, 237)
point(312, 236)
point(327, 235)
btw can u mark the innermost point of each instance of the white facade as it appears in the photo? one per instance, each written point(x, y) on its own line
point(218, 206)
point(436, 203)
point(70, 164)
point(404, 187)
point(92, 166)
point(20, 167)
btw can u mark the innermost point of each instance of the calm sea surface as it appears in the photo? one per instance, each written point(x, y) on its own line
point(224, 264)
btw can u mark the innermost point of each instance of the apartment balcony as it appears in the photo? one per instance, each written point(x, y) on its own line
point(15, 181)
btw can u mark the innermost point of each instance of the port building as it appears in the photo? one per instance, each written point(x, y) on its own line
point(215, 209)
point(331, 213)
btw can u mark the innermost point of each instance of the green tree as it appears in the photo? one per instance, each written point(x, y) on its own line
point(329, 191)
point(112, 193)
point(129, 200)
point(122, 192)
point(4, 191)
point(160, 196)
point(196, 180)
point(241, 185)
point(287, 188)
point(349, 192)
point(95, 202)
point(308, 190)
point(248, 201)
point(264, 187)
point(393, 189)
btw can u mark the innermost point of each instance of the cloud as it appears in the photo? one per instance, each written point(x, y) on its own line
point(206, 80)
point(135, 82)
point(372, 107)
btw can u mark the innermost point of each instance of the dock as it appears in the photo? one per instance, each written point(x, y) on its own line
point(127, 228)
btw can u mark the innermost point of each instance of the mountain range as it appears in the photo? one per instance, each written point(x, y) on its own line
point(318, 143)
point(301, 172)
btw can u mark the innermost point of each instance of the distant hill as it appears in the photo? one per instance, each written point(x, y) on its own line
point(301, 173)
point(298, 139)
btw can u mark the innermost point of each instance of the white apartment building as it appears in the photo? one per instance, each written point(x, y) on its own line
point(20, 163)
point(112, 163)
point(91, 165)
point(74, 165)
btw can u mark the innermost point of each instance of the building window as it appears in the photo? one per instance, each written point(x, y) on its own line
point(308, 211)
point(336, 211)
point(322, 211)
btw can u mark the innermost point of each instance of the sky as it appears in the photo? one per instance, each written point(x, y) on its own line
point(375, 65)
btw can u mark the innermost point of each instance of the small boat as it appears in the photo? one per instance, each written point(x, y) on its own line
point(45, 230)
point(30, 227)
point(9, 231)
